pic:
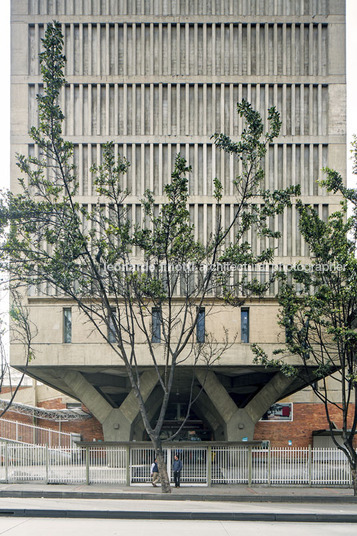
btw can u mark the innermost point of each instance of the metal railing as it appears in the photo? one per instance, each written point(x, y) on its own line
point(36, 435)
point(129, 464)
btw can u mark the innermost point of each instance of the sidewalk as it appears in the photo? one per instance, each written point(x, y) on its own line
point(221, 503)
point(236, 493)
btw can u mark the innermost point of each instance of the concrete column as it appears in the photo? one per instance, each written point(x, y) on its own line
point(117, 423)
point(207, 412)
point(154, 403)
point(239, 423)
point(222, 401)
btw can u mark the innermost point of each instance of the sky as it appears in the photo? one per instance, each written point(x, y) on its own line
point(351, 19)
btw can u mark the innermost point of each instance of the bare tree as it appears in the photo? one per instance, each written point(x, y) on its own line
point(143, 283)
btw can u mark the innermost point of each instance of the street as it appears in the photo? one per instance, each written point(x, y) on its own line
point(114, 527)
point(58, 526)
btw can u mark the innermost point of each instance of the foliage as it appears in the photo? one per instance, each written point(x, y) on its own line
point(319, 313)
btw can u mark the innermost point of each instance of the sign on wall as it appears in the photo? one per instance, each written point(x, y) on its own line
point(279, 412)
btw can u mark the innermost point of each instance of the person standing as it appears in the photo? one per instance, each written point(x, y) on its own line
point(154, 473)
point(177, 467)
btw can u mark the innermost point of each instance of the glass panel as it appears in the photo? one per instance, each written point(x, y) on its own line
point(200, 333)
point(156, 325)
point(67, 325)
point(111, 329)
point(244, 317)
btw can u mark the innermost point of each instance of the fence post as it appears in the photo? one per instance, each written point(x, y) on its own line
point(250, 465)
point(7, 463)
point(209, 466)
point(269, 464)
point(47, 462)
point(127, 450)
point(87, 465)
point(310, 465)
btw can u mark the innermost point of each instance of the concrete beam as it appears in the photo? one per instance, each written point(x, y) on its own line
point(87, 394)
point(267, 396)
point(153, 404)
point(208, 413)
point(223, 403)
point(117, 423)
point(218, 394)
point(239, 423)
point(130, 406)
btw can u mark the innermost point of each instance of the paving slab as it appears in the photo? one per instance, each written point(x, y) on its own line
point(238, 493)
point(195, 510)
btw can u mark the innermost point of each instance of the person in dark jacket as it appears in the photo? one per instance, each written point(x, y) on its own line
point(177, 467)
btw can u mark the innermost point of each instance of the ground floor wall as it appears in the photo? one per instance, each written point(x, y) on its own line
point(307, 418)
point(89, 429)
point(42, 396)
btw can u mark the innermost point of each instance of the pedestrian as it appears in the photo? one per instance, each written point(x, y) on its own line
point(177, 467)
point(154, 473)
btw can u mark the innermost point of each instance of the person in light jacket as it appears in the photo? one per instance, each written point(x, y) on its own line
point(177, 467)
point(154, 471)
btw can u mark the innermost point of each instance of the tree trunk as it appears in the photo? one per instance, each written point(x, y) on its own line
point(164, 477)
point(354, 481)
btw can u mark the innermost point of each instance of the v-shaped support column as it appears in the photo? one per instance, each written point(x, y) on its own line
point(239, 423)
point(117, 423)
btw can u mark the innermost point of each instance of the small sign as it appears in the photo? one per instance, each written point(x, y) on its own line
point(279, 412)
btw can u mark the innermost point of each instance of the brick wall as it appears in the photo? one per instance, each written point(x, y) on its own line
point(306, 419)
point(13, 416)
point(8, 389)
point(89, 429)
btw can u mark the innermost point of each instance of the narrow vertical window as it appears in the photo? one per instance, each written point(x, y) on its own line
point(67, 325)
point(244, 323)
point(200, 327)
point(156, 325)
point(111, 327)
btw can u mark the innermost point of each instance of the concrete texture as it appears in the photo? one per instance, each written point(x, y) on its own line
point(240, 423)
point(160, 78)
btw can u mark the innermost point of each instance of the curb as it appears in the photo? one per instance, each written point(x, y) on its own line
point(193, 516)
point(330, 499)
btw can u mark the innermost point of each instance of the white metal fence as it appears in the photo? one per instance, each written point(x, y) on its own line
point(206, 465)
point(36, 435)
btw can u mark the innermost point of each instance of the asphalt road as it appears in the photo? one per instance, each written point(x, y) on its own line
point(96, 527)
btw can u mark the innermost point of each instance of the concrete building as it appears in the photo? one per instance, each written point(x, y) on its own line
point(159, 77)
